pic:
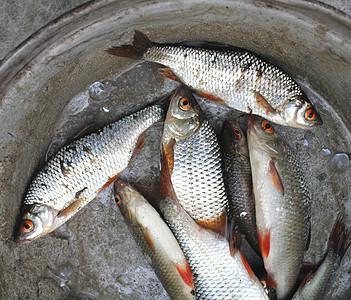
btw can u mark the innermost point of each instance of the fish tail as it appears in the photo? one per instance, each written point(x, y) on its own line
point(340, 237)
point(136, 51)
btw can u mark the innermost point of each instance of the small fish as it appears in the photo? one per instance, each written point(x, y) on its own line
point(282, 203)
point(315, 285)
point(157, 240)
point(230, 75)
point(191, 163)
point(237, 177)
point(218, 272)
point(76, 174)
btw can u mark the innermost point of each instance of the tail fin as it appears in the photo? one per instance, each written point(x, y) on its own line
point(340, 237)
point(140, 44)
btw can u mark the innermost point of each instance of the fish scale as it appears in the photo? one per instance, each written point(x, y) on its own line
point(231, 75)
point(87, 164)
point(217, 274)
point(282, 202)
point(197, 174)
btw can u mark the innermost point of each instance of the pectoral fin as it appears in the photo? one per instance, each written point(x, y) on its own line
point(275, 177)
point(263, 103)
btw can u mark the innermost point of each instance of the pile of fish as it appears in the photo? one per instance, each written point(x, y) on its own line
point(213, 190)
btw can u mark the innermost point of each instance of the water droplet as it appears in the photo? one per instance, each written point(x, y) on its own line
point(243, 214)
point(66, 270)
point(326, 151)
point(305, 143)
point(340, 161)
point(105, 109)
point(100, 91)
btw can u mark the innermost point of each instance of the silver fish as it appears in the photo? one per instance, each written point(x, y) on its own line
point(157, 240)
point(218, 273)
point(237, 176)
point(76, 174)
point(282, 202)
point(315, 285)
point(230, 75)
point(191, 162)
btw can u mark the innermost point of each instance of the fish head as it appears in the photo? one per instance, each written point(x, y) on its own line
point(37, 221)
point(183, 115)
point(300, 113)
point(261, 134)
point(127, 199)
point(233, 139)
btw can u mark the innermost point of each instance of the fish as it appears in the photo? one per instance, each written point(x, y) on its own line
point(80, 170)
point(191, 166)
point(282, 203)
point(218, 272)
point(238, 181)
point(316, 284)
point(157, 240)
point(230, 75)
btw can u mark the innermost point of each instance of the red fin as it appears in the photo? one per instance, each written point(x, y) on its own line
point(307, 279)
point(307, 267)
point(185, 274)
point(339, 238)
point(247, 266)
point(263, 103)
point(265, 243)
point(139, 144)
point(140, 45)
point(211, 97)
point(110, 180)
point(271, 282)
point(167, 72)
point(277, 181)
point(217, 224)
point(147, 237)
point(167, 162)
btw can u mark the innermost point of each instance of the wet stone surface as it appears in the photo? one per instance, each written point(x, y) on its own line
point(93, 256)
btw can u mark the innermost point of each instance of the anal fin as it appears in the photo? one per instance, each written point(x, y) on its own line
point(264, 242)
point(185, 274)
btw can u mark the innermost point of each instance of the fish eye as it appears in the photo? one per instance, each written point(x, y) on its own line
point(27, 226)
point(118, 200)
point(310, 115)
point(237, 133)
point(185, 104)
point(267, 126)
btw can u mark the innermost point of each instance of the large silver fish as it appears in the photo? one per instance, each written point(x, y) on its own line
point(237, 176)
point(230, 75)
point(191, 162)
point(157, 240)
point(282, 204)
point(218, 272)
point(74, 176)
point(315, 285)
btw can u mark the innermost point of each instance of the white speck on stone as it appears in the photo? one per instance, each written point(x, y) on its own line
point(326, 151)
point(105, 109)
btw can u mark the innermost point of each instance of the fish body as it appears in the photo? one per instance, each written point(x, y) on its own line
point(191, 162)
point(282, 205)
point(230, 75)
point(218, 273)
point(157, 241)
point(315, 285)
point(237, 177)
point(75, 175)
